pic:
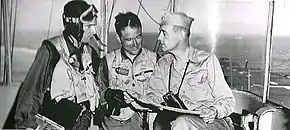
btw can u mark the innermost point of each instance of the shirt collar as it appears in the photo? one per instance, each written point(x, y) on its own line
point(194, 55)
point(191, 54)
point(124, 56)
point(197, 56)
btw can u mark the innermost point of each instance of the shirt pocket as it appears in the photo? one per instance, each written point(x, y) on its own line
point(197, 85)
point(197, 77)
point(144, 75)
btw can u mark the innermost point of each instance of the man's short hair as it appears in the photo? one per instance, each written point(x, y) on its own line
point(124, 20)
point(179, 28)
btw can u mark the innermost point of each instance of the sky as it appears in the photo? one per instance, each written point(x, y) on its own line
point(211, 16)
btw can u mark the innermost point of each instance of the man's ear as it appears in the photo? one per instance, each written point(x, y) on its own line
point(183, 34)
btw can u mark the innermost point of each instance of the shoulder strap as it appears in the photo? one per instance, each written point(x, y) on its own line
point(58, 43)
point(169, 74)
point(183, 76)
point(184, 73)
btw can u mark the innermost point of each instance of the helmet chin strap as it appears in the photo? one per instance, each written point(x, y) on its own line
point(73, 36)
point(80, 36)
point(76, 42)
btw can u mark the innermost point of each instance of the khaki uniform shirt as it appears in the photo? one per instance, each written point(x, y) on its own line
point(119, 72)
point(203, 86)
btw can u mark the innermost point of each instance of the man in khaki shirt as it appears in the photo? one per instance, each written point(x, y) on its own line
point(193, 76)
point(126, 68)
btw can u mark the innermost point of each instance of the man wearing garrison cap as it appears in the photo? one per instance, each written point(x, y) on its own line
point(187, 79)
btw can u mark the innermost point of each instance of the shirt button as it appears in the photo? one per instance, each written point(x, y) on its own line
point(133, 84)
point(183, 91)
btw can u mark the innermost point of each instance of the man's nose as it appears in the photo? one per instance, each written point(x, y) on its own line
point(94, 29)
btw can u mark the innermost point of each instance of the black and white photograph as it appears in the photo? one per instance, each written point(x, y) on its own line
point(145, 64)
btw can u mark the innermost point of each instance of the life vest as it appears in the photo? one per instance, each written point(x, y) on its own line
point(70, 83)
point(133, 75)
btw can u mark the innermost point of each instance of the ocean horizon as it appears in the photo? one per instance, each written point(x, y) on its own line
point(238, 48)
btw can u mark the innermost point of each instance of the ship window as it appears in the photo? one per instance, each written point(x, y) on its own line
point(236, 32)
point(279, 90)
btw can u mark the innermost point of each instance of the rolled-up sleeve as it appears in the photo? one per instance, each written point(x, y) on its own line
point(224, 99)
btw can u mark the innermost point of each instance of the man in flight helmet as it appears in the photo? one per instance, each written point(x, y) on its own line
point(60, 83)
point(78, 16)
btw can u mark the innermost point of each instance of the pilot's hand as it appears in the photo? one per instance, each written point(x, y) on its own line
point(115, 97)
